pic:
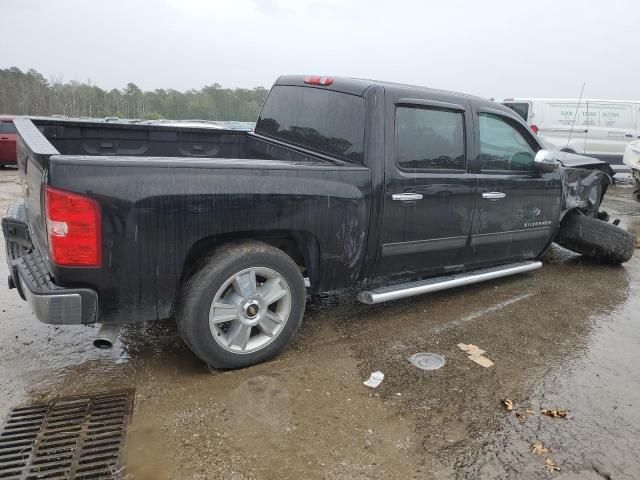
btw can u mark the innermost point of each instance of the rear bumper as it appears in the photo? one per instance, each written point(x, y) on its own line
point(29, 274)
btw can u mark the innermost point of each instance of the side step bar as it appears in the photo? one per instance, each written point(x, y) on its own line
point(394, 292)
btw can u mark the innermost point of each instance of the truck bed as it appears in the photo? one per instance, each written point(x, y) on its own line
point(167, 193)
point(79, 138)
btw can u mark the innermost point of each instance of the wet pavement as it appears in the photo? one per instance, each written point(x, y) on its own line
point(566, 336)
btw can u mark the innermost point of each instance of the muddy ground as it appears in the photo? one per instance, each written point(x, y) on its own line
point(566, 336)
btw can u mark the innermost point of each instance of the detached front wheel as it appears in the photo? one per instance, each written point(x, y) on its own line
point(595, 238)
point(242, 306)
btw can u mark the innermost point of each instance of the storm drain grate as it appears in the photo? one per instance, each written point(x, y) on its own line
point(69, 438)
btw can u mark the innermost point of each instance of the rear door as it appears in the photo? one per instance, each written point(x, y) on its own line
point(516, 207)
point(7, 143)
point(429, 190)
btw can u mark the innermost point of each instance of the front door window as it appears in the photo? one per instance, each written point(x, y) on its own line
point(502, 146)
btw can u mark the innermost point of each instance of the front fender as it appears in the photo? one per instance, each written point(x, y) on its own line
point(583, 190)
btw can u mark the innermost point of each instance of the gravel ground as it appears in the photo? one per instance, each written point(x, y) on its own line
point(565, 337)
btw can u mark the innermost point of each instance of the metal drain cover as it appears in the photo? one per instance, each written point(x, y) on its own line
point(68, 438)
point(427, 361)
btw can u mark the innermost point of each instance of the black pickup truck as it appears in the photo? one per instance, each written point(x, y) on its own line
point(396, 189)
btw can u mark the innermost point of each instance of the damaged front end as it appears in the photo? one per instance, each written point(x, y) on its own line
point(584, 180)
point(583, 227)
point(583, 190)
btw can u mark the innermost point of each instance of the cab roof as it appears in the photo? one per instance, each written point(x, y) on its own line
point(358, 86)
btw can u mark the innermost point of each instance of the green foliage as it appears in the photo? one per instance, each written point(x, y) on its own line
point(30, 93)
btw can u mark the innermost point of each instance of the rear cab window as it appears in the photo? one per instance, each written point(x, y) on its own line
point(326, 121)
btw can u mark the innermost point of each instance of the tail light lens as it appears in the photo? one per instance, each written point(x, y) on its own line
point(73, 227)
point(535, 129)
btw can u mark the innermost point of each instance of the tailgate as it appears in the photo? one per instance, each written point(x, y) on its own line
point(33, 153)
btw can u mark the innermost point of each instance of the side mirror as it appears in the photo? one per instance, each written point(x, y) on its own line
point(545, 161)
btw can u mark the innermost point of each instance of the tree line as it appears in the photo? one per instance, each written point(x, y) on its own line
point(30, 93)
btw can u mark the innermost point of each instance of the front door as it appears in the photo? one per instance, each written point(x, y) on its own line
point(516, 207)
point(429, 191)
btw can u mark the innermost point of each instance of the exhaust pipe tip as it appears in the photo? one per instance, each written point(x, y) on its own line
point(106, 336)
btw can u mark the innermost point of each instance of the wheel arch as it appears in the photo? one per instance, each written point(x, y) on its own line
point(302, 246)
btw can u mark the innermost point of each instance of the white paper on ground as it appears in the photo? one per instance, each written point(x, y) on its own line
point(374, 380)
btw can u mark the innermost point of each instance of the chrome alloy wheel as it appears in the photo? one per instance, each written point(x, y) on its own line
point(250, 310)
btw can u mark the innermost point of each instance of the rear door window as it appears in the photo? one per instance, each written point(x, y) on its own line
point(7, 127)
point(504, 145)
point(430, 138)
point(327, 121)
point(521, 109)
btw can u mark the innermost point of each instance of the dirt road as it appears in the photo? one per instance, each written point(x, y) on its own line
point(566, 336)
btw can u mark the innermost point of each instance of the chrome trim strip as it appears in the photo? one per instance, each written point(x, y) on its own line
point(493, 195)
point(406, 196)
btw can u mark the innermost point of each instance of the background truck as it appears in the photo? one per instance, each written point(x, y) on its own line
point(395, 189)
point(8, 135)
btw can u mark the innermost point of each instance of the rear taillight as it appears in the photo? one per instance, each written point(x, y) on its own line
point(325, 81)
point(535, 129)
point(73, 227)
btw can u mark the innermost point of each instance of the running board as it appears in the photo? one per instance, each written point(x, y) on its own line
point(384, 294)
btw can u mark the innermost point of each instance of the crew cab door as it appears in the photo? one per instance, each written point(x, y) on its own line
point(516, 207)
point(429, 190)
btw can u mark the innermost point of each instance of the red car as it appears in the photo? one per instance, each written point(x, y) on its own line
point(7, 141)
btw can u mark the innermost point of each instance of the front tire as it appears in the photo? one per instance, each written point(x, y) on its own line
point(242, 305)
point(595, 238)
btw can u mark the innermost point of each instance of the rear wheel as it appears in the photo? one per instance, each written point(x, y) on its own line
point(595, 238)
point(242, 306)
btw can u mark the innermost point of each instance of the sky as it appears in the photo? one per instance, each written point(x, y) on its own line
point(491, 48)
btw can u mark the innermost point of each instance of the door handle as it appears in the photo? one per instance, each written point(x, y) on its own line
point(628, 135)
point(493, 195)
point(406, 196)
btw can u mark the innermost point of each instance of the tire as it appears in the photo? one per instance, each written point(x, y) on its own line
point(242, 298)
point(595, 238)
